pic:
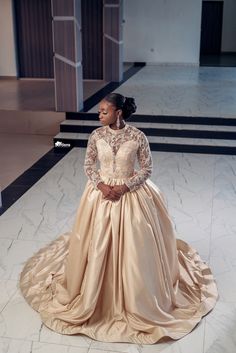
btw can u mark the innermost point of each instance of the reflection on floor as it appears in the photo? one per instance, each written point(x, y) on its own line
point(223, 59)
point(183, 91)
point(200, 193)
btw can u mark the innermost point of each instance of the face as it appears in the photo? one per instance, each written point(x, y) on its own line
point(108, 113)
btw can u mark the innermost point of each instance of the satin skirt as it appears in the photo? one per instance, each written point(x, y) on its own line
point(120, 275)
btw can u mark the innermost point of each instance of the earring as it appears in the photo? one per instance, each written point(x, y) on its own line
point(118, 122)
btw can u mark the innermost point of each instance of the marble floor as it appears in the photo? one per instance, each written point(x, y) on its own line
point(200, 193)
point(183, 91)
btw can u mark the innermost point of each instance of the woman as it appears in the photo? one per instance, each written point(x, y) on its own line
point(120, 276)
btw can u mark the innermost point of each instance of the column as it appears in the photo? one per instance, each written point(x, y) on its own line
point(67, 44)
point(113, 40)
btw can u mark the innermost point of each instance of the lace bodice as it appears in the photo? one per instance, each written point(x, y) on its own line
point(116, 151)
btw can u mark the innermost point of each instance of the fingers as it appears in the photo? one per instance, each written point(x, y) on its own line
point(121, 189)
point(112, 196)
point(112, 199)
point(112, 193)
point(106, 190)
point(115, 193)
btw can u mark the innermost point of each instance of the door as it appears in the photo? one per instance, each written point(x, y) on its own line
point(92, 39)
point(211, 27)
point(34, 38)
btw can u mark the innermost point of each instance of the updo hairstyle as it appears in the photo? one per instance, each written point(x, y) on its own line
point(126, 104)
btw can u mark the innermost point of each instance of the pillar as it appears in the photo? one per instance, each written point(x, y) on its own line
point(113, 40)
point(67, 44)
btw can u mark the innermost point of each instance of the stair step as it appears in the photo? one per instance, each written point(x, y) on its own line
point(165, 133)
point(72, 125)
point(160, 119)
point(157, 139)
point(154, 125)
point(155, 129)
point(158, 143)
point(72, 135)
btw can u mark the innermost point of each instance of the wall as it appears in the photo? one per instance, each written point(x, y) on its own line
point(7, 45)
point(162, 31)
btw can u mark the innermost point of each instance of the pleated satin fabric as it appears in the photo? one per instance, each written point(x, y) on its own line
point(120, 275)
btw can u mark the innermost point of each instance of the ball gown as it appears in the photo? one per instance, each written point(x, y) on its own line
point(120, 274)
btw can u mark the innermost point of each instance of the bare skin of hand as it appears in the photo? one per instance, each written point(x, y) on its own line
point(120, 189)
point(105, 189)
point(112, 193)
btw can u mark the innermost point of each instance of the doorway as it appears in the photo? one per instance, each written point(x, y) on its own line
point(211, 34)
point(92, 39)
point(211, 27)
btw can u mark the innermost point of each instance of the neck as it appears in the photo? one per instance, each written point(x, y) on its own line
point(114, 127)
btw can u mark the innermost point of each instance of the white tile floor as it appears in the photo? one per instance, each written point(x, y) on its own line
point(183, 91)
point(200, 191)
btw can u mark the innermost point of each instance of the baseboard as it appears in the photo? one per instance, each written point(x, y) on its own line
point(190, 64)
point(8, 78)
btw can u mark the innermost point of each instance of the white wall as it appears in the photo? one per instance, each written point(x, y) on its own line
point(7, 45)
point(162, 31)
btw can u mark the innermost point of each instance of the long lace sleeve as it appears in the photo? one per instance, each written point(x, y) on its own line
point(145, 163)
point(90, 163)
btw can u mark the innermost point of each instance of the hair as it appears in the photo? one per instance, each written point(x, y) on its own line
point(126, 104)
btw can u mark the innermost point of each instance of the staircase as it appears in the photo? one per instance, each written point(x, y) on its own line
point(165, 133)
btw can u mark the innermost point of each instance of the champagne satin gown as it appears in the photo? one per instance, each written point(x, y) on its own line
point(120, 275)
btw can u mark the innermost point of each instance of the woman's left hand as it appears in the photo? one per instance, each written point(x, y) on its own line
point(118, 190)
point(121, 189)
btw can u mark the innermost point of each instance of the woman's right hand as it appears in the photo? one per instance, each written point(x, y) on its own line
point(104, 188)
point(108, 192)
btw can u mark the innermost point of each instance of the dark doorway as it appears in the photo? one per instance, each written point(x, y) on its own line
point(34, 38)
point(211, 27)
point(92, 39)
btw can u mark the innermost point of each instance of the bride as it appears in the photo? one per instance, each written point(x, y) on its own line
point(120, 275)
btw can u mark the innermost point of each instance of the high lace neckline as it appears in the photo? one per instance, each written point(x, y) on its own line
point(118, 131)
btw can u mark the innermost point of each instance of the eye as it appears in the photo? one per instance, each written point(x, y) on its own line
point(102, 112)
